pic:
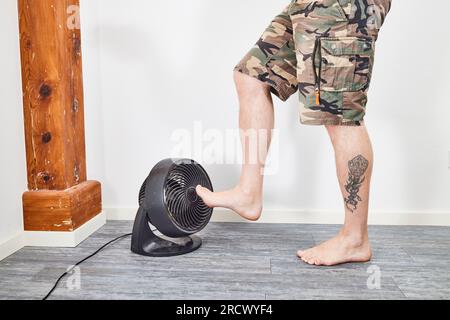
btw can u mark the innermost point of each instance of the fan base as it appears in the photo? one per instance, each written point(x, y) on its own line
point(146, 243)
point(159, 247)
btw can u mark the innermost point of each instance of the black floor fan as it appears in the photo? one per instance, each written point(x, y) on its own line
point(168, 200)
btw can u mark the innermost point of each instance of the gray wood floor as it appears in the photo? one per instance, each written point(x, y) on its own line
point(238, 261)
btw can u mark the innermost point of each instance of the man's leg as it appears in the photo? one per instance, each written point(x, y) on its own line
point(354, 161)
point(256, 121)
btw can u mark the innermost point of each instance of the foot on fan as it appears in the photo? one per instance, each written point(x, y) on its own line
point(338, 250)
point(247, 204)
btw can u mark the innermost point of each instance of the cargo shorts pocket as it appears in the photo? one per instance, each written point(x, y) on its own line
point(345, 63)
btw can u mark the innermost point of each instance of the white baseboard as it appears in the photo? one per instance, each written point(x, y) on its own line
point(312, 217)
point(52, 239)
point(64, 239)
point(9, 247)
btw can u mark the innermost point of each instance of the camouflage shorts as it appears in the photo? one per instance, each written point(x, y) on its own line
point(325, 50)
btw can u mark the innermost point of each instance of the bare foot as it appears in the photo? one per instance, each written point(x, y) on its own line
point(247, 204)
point(338, 250)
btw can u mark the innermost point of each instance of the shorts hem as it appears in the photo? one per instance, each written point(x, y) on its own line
point(276, 87)
point(332, 123)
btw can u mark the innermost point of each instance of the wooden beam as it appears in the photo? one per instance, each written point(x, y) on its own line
point(50, 44)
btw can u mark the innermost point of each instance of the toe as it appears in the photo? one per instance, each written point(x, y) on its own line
point(308, 254)
point(200, 190)
point(310, 259)
point(206, 195)
point(306, 258)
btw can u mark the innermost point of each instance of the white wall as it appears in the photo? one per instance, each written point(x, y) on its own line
point(94, 121)
point(161, 65)
point(12, 148)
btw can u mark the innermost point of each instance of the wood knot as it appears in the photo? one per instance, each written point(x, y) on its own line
point(45, 177)
point(45, 91)
point(76, 173)
point(46, 137)
point(77, 46)
point(75, 105)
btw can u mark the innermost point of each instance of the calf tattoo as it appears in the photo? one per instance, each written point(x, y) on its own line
point(357, 168)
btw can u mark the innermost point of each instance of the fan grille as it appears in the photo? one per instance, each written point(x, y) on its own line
point(185, 207)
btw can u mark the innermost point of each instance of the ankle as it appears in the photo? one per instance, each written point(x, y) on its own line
point(355, 237)
point(248, 203)
point(249, 191)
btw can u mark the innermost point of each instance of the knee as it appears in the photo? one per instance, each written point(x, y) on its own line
point(331, 129)
point(246, 84)
point(239, 78)
point(335, 132)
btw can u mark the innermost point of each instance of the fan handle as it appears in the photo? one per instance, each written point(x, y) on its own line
point(146, 243)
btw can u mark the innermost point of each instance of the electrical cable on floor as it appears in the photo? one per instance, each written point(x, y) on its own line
point(80, 262)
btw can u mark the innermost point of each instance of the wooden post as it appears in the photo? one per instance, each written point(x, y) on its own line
point(59, 198)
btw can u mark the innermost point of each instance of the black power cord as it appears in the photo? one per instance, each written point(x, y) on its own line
point(80, 262)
